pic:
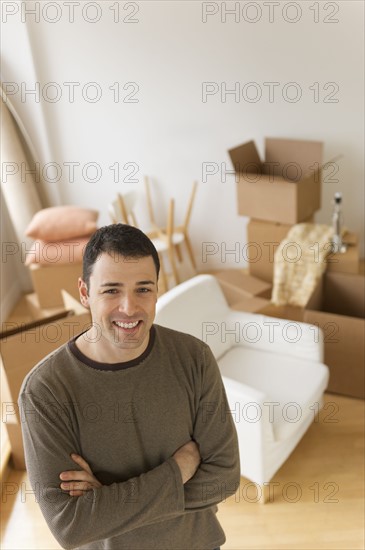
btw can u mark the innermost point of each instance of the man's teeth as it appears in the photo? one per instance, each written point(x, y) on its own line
point(126, 325)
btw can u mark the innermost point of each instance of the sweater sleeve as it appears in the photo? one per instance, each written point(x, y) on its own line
point(218, 475)
point(101, 513)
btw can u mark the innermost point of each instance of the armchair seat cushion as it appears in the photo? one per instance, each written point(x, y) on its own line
point(291, 385)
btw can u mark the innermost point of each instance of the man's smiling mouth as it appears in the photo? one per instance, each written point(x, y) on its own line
point(129, 325)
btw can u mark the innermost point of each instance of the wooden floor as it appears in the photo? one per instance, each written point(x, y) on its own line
point(319, 500)
point(317, 495)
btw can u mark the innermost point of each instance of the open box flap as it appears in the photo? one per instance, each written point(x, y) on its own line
point(293, 158)
point(245, 158)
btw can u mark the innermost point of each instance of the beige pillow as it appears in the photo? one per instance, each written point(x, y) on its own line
point(62, 222)
point(56, 253)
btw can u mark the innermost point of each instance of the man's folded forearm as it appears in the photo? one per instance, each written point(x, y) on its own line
point(210, 485)
point(114, 509)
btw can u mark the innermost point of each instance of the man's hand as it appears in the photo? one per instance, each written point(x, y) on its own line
point(188, 459)
point(78, 482)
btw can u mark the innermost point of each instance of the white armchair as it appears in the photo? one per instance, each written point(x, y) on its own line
point(272, 370)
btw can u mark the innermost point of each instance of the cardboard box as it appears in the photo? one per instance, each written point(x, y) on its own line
point(285, 187)
point(241, 297)
point(16, 443)
point(23, 345)
point(346, 262)
point(48, 281)
point(242, 291)
point(337, 306)
point(342, 319)
point(237, 285)
point(251, 304)
point(263, 238)
point(37, 312)
point(250, 286)
point(296, 313)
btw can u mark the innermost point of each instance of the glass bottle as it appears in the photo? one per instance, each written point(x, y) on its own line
point(337, 223)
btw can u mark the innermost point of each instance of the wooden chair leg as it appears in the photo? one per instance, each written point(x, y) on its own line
point(178, 252)
point(190, 251)
point(149, 202)
point(173, 265)
point(163, 274)
point(169, 234)
point(265, 493)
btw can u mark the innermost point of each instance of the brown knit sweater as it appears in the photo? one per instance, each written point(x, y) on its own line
point(127, 420)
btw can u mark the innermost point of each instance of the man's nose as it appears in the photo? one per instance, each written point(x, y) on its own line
point(128, 304)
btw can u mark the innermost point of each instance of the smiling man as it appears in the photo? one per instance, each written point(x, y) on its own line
point(125, 441)
point(122, 299)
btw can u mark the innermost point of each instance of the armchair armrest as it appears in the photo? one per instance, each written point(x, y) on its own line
point(252, 422)
point(246, 394)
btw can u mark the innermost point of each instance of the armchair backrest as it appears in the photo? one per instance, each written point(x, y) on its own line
point(196, 307)
point(280, 336)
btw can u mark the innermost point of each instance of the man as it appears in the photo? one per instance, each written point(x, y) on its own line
point(127, 439)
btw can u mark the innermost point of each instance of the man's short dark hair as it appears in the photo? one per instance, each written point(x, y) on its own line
point(119, 238)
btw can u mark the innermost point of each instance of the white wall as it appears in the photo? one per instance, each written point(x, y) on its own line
point(13, 278)
point(170, 132)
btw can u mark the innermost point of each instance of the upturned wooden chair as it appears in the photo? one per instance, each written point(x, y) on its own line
point(121, 210)
point(181, 231)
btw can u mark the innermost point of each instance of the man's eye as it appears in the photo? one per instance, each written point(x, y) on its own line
point(110, 291)
point(143, 289)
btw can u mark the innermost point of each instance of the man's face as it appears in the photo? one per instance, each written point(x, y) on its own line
point(122, 297)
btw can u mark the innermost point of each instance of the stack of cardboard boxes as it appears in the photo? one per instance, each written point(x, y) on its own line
point(60, 235)
point(277, 193)
point(49, 281)
point(25, 340)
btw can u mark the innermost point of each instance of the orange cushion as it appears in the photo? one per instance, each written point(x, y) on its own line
point(62, 222)
point(56, 253)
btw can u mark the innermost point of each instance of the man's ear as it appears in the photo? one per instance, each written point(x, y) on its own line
point(84, 297)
